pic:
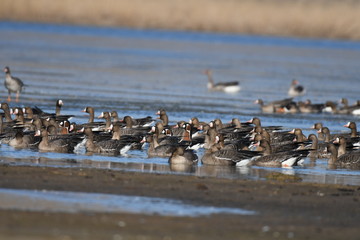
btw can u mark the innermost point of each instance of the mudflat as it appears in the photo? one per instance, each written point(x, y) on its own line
point(286, 207)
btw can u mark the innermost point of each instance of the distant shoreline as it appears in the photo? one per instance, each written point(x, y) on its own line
point(331, 19)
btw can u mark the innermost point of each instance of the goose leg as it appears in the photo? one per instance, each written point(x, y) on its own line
point(9, 98)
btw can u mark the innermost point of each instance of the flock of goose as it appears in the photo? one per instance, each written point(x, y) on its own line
point(235, 143)
point(288, 105)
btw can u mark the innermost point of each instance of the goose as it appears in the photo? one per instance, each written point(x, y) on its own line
point(308, 107)
point(137, 122)
point(228, 87)
point(60, 145)
point(182, 156)
point(299, 136)
point(12, 84)
point(274, 106)
point(157, 150)
point(163, 116)
point(295, 89)
point(7, 113)
point(22, 140)
point(353, 129)
point(107, 146)
point(225, 155)
point(318, 150)
point(347, 160)
point(280, 159)
point(317, 126)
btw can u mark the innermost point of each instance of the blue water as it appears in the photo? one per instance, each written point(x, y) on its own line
point(177, 35)
point(136, 72)
point(75, 202)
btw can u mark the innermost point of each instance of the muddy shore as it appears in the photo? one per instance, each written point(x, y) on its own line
point(287, 208)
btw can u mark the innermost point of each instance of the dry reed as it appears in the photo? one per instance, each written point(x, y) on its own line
point(304, 18)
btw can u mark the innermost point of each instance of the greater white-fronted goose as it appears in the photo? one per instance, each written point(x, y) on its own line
point(138, 122)
point(296, 89)
point(108, 146)
point(280, 159)
point(265, 108)
point(290, 108)
point(57, 115)
point(256, 121)
point(157, 150)
point(308, 107)
point(210, 136)
point(141, 124)
point(12, 84)
point(341, 141)
point(19, 115)
point(326, 132)
point(225, 154)
point(317, 150)
point(29, 113)
point(115, 116)
point(158, 130)
point(216, 156)
point(299, 136)
point(273, 137)
point(178, 129)
point(346, 109)
point(278, 146)
point(22, 140)
point(58, 106)
point(228, 87)
point(91, 112)
point(330, 137)
point(353, 128)
point(6, 109)
point(98, 125)
point(221, 155)
point(196, 123)
point(183, 157)
point(107, 117)
point(274, 106)
point(54, 145)
point(317, 127)
point(355, 109)
point(33, 112)
point(347, 160)
point(163, 116)
point(331, 107)
point(130, 136)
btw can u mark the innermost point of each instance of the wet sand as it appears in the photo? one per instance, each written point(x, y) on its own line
point(287, 208)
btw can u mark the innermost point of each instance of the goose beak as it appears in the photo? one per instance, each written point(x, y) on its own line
point(37, 133)
point(292, 131)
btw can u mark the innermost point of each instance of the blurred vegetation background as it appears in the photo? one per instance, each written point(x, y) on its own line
point(338, 19)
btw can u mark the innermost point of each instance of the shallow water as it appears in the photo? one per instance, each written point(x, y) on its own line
point(74, 202)
point(136, 72)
